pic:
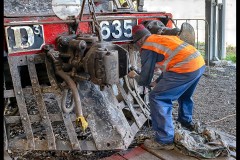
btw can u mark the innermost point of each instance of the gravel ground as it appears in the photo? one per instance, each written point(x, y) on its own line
point(215, 98)
point(215, 105)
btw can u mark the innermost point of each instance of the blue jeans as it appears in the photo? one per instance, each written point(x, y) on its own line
point(172, 86)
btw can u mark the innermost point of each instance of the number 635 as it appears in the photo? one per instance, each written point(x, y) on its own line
point(125, 30)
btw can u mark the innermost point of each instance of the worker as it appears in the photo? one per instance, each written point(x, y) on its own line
point(182, 66)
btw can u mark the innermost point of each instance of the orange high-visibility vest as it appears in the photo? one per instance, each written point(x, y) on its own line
point(179, 56)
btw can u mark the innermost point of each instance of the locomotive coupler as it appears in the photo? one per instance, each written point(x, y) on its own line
point(54, 56)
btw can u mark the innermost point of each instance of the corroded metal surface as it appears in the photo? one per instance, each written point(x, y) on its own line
point(13, 64)
point(102, 63)
point(62, 145)
point(70, 128)
point(27, 8)
point(13, 8)
point(40, 103)
point(114, 115)
point(129, 104)
point(108, 123)
point(144, 107)
point(5, 140)
point(104, 47)
point(66, 117)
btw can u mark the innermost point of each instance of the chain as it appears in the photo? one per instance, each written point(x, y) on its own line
point(96, 25)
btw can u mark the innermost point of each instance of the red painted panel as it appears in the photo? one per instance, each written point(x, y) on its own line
point(51, 32)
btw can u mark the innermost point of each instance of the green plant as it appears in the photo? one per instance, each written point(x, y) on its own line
point(231, 57)
point(201, 47)
point(231, 53)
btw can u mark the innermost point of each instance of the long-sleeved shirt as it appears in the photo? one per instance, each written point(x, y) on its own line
point(148, 61)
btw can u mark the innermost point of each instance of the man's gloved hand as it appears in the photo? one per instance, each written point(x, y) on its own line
point(132, 74)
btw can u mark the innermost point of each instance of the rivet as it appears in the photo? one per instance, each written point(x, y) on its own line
point(24, 118)
point(18, 92)
point(44, 117)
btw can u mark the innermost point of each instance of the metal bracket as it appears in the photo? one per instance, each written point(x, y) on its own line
point(13, 65)
point(40, 103)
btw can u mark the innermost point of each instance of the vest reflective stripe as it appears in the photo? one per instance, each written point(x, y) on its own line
point(188, 59)
point(179, 56)
point(174, 53)
point(158, 46)
point(167, 50)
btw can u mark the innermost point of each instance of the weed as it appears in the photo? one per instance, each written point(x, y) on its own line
point(230, 51)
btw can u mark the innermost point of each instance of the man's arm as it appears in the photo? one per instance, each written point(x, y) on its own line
point(148, 61)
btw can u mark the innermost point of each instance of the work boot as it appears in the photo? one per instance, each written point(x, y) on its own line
point(190, 126)
point(152, 144)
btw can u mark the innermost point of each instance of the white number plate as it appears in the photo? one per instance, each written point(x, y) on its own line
point(24, 38)
point(117, 30)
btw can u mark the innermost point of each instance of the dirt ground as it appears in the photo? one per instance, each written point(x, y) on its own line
point(215, 98)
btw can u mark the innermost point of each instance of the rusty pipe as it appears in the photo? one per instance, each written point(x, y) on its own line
point(64, 100)
point(73, 87)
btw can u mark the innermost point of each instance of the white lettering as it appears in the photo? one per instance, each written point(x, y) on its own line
point(105, 27)
point(127, 25)
point(117, 25)
point(125, 30)
point(19, 43)
point(36, 29)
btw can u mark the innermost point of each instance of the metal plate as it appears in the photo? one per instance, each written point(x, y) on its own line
point(117, 30)
point(24, 38)
point(28, 8)
point(187, 33)
point(65, 8)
